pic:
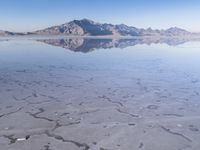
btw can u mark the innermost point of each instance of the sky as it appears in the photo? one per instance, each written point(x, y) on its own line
point(30, 15)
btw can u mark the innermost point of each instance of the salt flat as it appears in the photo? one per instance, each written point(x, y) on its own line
point(107, 98)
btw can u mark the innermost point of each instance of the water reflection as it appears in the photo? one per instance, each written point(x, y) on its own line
point(50, 95)
point(86, 45)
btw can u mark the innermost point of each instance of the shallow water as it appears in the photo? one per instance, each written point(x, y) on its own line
point(99, 94)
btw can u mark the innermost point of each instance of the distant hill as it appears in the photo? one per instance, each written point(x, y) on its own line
point(87, 27)
point(91, 28)
point(7, 33)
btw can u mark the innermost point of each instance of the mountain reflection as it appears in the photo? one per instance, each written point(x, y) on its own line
point(86, 45)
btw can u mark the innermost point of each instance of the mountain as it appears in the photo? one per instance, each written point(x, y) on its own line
point(87, 27)
point(79, 27)
point(67, 29)
point(5, 33)
point(176, 31)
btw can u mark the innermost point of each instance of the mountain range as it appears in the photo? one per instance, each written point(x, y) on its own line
point(7, 33)
point(87, 27)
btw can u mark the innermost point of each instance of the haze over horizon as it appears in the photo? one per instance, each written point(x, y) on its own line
point(31, 15)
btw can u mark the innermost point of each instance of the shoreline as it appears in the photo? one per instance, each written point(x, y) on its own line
point(15, 37)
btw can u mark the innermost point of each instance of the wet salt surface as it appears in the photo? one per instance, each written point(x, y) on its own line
point(140, 97)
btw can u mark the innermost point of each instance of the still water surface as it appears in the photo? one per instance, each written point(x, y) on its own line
point(99, 94)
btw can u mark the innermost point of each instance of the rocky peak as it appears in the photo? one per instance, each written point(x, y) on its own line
point(89, 27)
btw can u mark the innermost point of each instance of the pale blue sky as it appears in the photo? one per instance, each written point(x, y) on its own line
point(30, 15)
